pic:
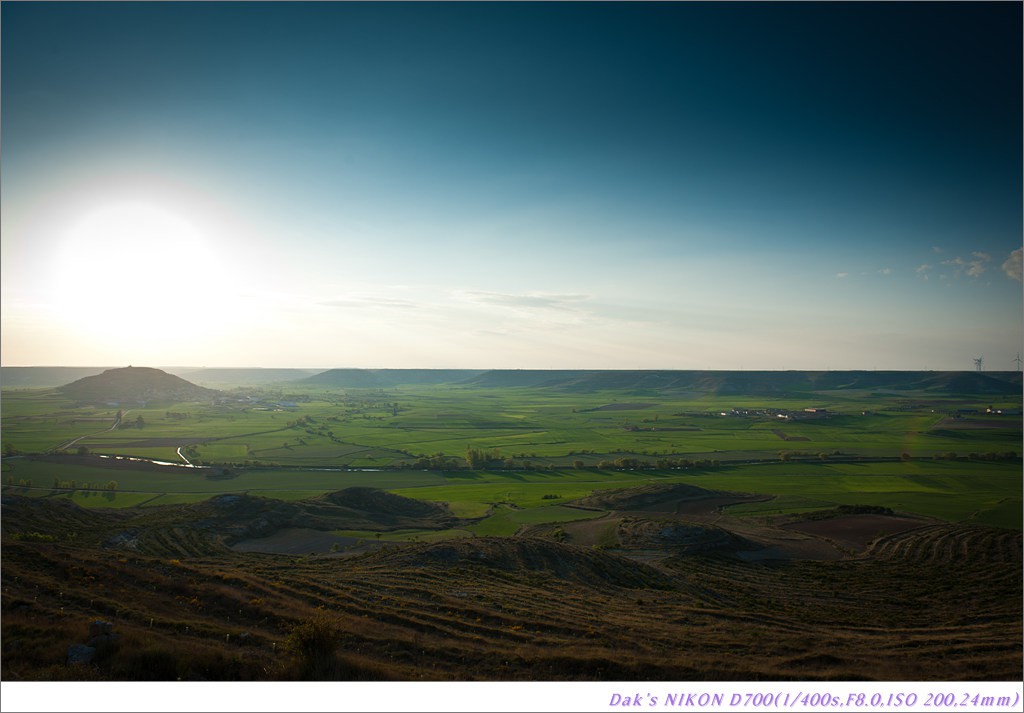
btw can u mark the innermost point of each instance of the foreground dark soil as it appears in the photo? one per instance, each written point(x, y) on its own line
point(934, 601)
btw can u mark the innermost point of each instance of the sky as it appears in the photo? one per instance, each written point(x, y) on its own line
point(511, 185)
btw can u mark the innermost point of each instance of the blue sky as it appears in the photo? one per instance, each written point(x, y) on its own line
point(534, 185)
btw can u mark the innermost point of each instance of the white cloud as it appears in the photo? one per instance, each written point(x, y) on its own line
point(982, 256)
point(885, 271)
point(924, 268)
point(1012, 265)
point(841, 275)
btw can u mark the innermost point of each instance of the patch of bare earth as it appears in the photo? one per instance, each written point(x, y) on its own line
point(773, 543)
point(600, 531)
point(856, 532)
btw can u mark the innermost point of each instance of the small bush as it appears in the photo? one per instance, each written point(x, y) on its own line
point(313, 644)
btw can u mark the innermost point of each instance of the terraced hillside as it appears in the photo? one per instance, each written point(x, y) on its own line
point(928, 603)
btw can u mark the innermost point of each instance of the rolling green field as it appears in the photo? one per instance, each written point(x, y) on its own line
point(941, 456)
point(961, 491)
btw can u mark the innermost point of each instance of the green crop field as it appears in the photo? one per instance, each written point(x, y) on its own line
point(507, 521)
point(936, 455)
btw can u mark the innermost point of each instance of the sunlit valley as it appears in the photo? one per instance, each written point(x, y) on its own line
point(512, 525)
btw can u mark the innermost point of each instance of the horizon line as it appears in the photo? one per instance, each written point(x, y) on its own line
point(485, 369)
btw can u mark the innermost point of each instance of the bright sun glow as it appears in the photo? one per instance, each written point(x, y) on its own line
point(137, 267)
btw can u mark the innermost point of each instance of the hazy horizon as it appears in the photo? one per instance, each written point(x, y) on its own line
point(623, 186)
point(179, 367)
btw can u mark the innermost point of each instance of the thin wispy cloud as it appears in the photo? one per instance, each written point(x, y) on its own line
point(972, 268)
point(885, 271)
point(368, 302)
point(1012, 264)
point(536, 301)
point(841, 275)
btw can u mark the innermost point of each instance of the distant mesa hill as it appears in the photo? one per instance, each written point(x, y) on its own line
point(973, 382)
point(724, 383)
point(561, 379)
point(387, 378)
point(133, 384)
point(765, 383)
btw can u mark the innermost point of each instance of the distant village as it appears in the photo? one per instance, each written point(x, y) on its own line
point(780, 413)
point(814, 413)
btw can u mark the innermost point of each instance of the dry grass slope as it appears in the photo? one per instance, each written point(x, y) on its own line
point(931, 603)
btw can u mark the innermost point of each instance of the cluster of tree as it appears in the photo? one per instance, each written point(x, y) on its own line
point(20, 483)
point(787, 456)
point(479, 458)
point(992, 455)
point(989, 456)
point(139, 422)
point(175, 416)
point(660, 464)
point(59, 484)
point(301, 422)
point(438, 461)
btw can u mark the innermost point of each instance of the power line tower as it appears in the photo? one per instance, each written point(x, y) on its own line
point(1018, 361)
point(978, 362)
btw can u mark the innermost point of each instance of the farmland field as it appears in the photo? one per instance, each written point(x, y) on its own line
point(281, 500)
point(857, 446)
